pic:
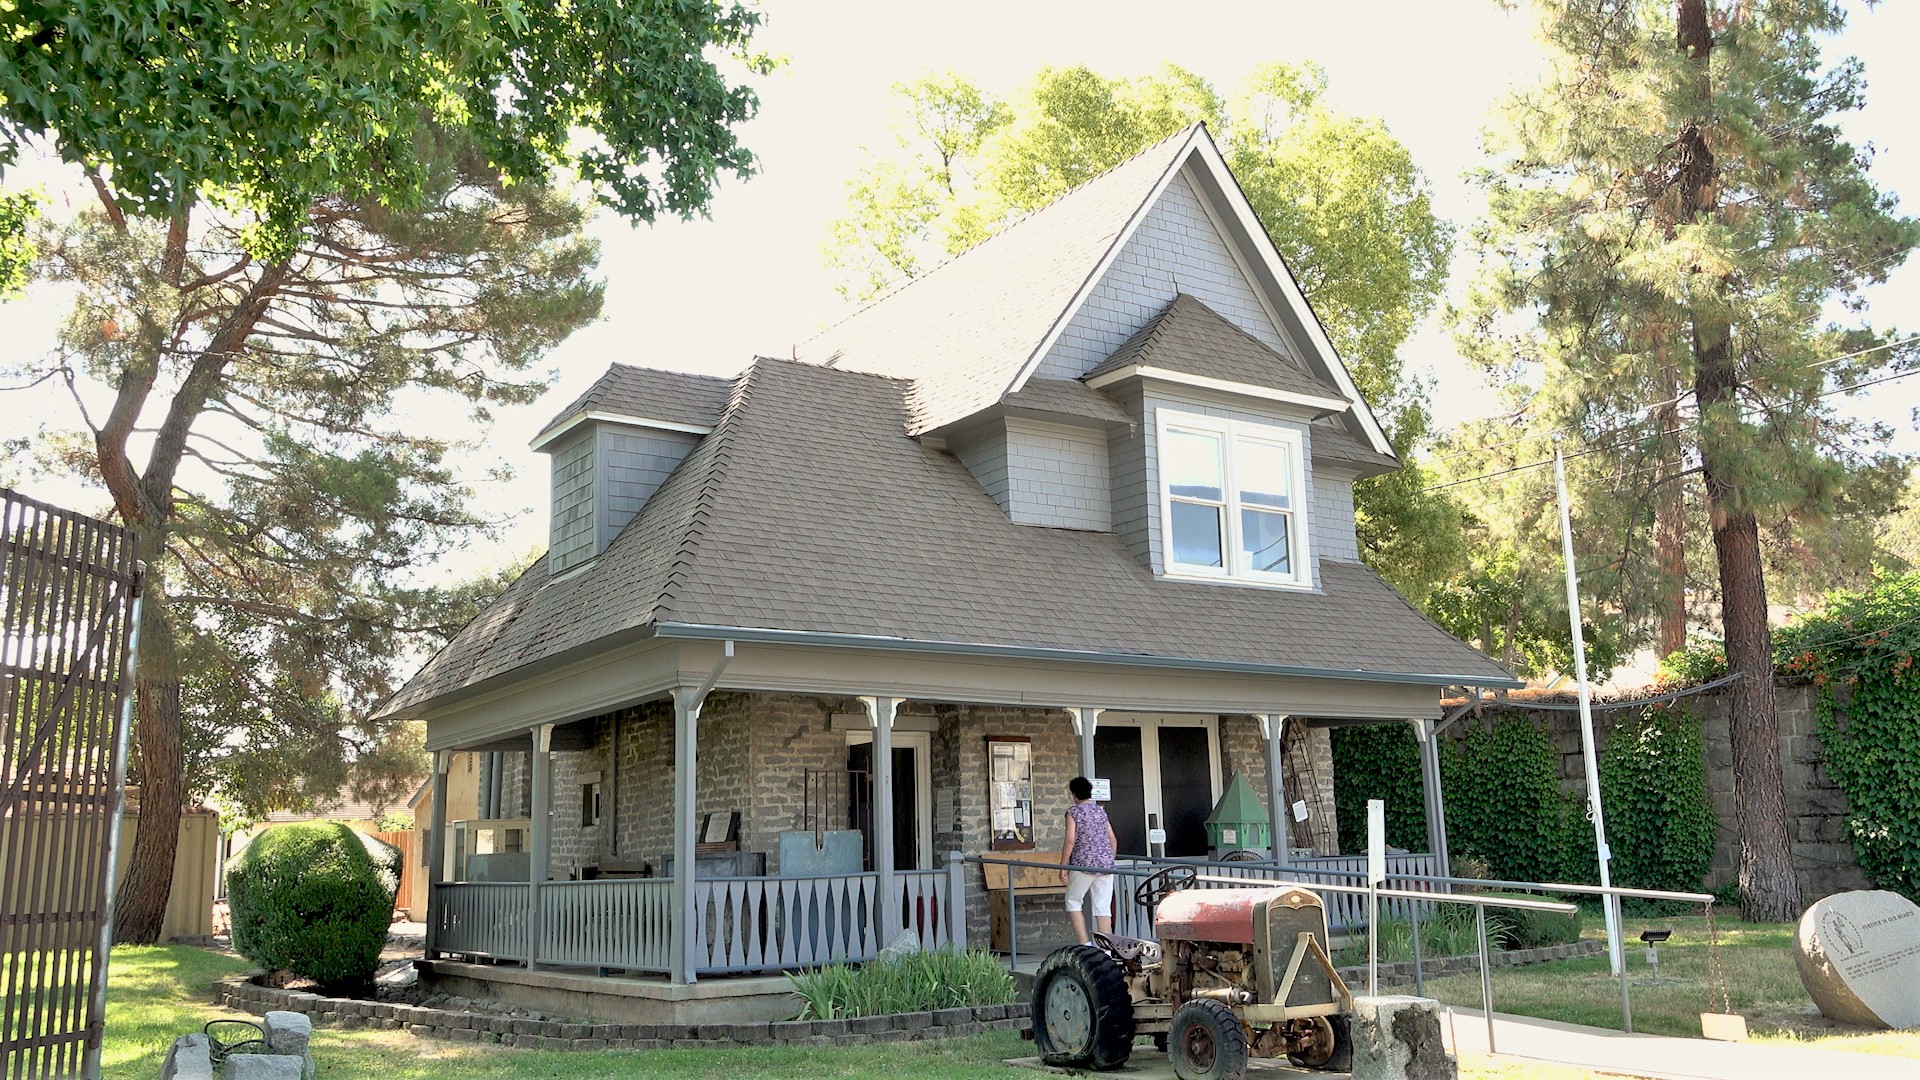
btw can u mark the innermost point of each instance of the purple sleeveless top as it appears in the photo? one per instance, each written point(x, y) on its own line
point(1090, 844)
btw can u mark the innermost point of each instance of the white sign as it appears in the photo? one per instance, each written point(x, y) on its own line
point(1102, 790)
point(1229, 836)
point(1156, 836)
point(1300, 810)
point(1376, 842)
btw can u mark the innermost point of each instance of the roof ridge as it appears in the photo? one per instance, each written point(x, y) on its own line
point(1003, 230)
point(665, 371)
point(694, 527)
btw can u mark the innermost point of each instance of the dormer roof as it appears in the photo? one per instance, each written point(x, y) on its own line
point(1191, 342)
point(650, 397)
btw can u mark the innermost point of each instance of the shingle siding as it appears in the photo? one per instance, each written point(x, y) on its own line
point(1332, 515)
point(983, 451)
point(1175, 250)
point(633, 463)
point(1057, 476)
point(571, 534)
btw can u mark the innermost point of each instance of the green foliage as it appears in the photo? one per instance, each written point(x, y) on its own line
point(265, 107)
point(286, 523)
point(1379, 761)
point(395, 822)
point(1528, 929)
point(17, 249)
point(916, 982)
point(1517, 614)
point(1860, 650)
point(1703, 660)
point(1653, 778)
point(314, 899)
point(1504, 803)
point(1340, 197)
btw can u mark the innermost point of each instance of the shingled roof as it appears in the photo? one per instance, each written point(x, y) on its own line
point(1191, 338)
point(810, 509)
point(677, 397)
point(964, 332)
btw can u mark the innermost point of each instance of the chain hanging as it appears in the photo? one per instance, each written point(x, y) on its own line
point(1716, 970)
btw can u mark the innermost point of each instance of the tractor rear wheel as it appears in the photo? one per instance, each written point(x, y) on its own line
point(1207, 1042)
point(1082, 1012)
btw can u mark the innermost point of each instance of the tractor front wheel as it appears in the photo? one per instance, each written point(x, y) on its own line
point(1082, 1012)
point(1207, 1042)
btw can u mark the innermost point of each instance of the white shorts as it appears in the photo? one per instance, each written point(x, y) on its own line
point(1098, 887)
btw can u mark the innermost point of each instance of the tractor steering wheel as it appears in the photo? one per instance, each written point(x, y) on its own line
point(1163, 883)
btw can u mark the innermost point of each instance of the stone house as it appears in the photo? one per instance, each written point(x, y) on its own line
point(1078, 502)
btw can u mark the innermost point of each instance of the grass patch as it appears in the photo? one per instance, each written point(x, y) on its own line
point(1762, 985)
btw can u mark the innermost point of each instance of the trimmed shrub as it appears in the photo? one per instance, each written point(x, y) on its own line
point(313, 899)
point(916, 982)
point(1523, 929)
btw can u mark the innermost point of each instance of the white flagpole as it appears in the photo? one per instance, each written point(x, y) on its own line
point(1610, 904)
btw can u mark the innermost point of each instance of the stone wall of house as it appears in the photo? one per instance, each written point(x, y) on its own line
point(1816, 808)
point(788, 735)
point(1309, 770)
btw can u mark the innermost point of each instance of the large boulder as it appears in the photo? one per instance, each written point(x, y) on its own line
point(1398, 1038)
point(1859, 958)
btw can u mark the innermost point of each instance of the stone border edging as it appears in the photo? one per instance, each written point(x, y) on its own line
point(243, 993)
point(1400, 973)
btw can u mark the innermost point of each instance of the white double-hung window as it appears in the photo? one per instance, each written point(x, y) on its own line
point(1232, 499)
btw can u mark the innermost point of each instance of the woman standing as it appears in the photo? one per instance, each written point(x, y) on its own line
point(1090, 844)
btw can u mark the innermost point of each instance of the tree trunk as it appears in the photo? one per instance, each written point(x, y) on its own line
point(1670, 517)
point(140, 906)
point(1769, 889)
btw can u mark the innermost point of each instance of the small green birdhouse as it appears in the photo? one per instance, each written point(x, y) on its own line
point(1238, 819)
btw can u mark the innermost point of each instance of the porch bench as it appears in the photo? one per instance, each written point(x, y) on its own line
point(1006, 884)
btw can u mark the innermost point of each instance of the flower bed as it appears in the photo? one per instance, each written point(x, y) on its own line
point(249, 995)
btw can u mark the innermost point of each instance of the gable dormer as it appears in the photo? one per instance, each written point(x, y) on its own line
point(613, 447)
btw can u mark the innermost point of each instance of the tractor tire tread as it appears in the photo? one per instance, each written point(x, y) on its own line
point(1230, 1038)
point(1111, 1041)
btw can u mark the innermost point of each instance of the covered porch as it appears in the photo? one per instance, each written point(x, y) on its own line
point(678, 810)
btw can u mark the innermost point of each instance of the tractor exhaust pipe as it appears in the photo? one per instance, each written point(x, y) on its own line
point(1232, 995)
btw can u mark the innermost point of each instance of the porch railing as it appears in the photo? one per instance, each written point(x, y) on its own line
point(479, 919)
point(755, 924)
point(625, 924)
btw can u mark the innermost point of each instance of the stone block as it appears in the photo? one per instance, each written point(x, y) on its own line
point(913, 1021)
point(788, 1030)
point(1859, 957)
point(948, 1017)
point(829, 1028)
point(1398, 1038)
point(189, 1058)
point(290, 1034)
point(589, 1044)
point(261, 1067)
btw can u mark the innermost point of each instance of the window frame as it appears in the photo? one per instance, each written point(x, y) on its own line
point(1230, 432)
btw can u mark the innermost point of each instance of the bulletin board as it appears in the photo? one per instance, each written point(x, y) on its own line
point(1010, 792)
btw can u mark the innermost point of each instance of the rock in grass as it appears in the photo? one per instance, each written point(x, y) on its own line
point(1859, 958)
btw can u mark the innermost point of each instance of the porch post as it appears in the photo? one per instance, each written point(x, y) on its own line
point(1273, 726)
point(436, 849)
point(540, 807)
point(880, 710)
point(1425, 731)
point(1085, 723)
point(686, 725)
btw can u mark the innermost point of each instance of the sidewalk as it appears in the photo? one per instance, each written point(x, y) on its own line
point(1661, 1057)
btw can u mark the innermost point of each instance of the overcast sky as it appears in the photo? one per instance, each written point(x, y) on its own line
point(709, 294)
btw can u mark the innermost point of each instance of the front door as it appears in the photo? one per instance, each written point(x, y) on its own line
point(912, 797)
point(1163, 775)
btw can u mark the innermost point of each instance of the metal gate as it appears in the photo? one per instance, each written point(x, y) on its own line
point(69, 606)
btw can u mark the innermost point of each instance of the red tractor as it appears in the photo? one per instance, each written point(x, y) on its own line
point(1237, 973)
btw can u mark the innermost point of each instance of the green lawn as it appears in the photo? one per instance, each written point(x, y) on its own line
point(1762, 982)
point(155, 994)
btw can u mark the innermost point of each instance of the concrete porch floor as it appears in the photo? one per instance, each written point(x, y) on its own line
point(624, 999)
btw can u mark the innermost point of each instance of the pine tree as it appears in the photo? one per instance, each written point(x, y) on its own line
point(1672, 217)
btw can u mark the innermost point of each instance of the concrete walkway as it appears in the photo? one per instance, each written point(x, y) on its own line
point(1659, 1056)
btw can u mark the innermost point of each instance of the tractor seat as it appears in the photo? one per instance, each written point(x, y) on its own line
point(1132, 949)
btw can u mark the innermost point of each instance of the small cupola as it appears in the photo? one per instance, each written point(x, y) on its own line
point(613, 448)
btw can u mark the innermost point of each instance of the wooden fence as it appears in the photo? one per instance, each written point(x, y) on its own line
point(69, 587)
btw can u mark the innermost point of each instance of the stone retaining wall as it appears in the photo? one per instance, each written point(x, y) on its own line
point(243, 993)
point(1401, 973)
